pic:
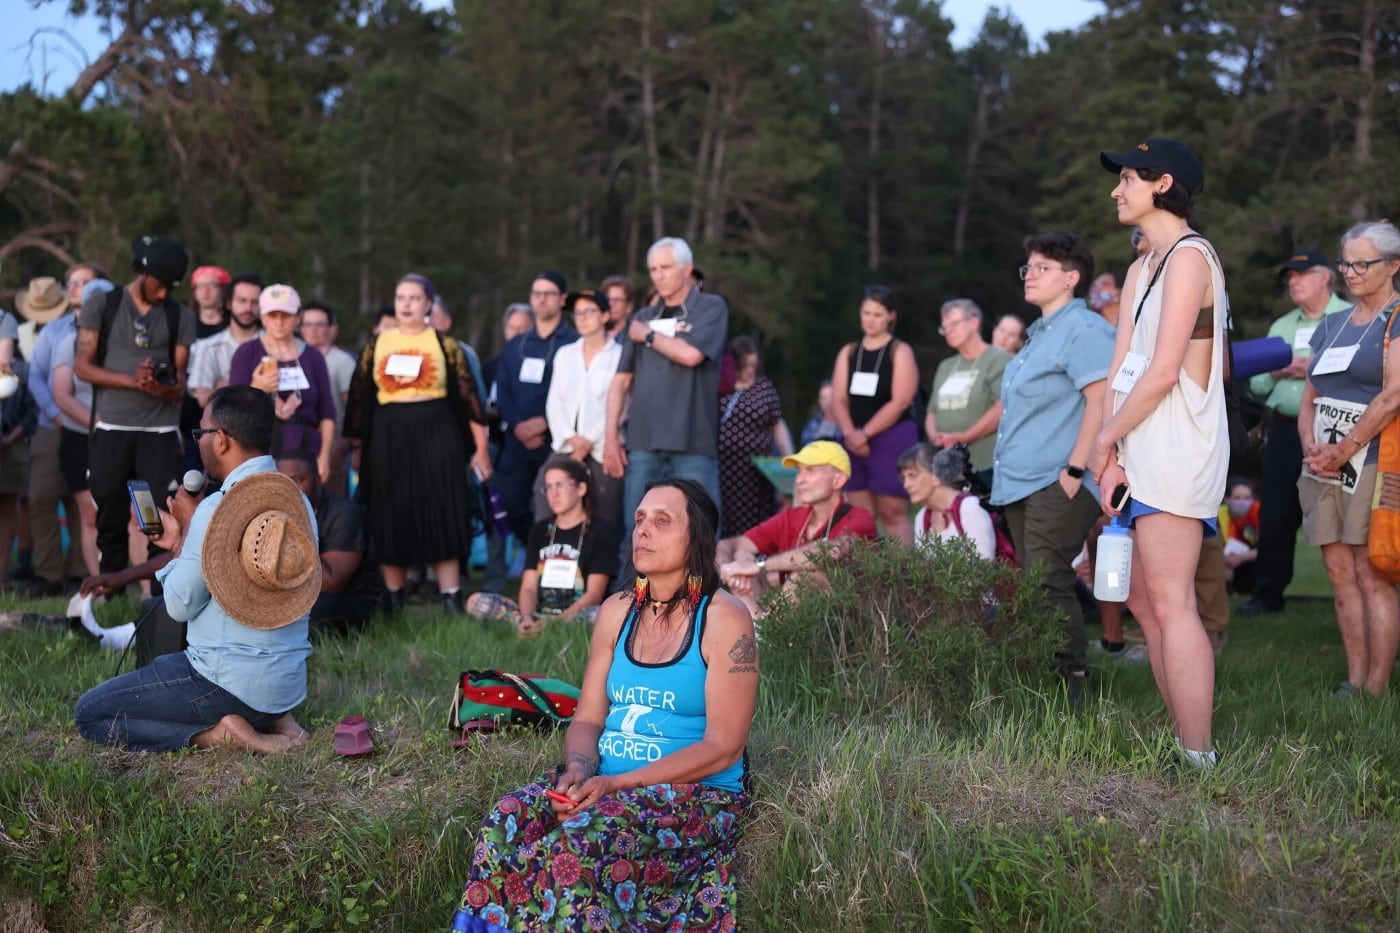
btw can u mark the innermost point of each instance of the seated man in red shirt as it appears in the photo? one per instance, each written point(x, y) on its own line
point(770, 553)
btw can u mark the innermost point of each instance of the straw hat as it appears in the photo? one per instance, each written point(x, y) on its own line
point(260, 559)
point(42, 301)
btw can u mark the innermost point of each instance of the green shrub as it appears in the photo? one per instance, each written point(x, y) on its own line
point(898, 625)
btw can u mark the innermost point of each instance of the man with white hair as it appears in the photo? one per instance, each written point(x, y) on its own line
point(670, 362)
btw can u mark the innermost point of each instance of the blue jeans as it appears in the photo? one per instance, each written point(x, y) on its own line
point(647, 466)
point(159, 707)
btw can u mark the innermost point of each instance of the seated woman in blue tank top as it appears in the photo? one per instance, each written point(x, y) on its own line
point(637, 828)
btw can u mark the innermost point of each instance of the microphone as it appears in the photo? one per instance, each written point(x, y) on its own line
point(194, 482)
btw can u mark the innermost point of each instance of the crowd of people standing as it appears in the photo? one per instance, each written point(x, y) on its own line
point(617, 439)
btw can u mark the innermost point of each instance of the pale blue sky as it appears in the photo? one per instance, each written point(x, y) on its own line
point(51, 61)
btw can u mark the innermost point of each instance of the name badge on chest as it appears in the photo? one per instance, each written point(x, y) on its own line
point(403, 365)
point(292, 379)
point(1302, 339)
point(1335, 360)
point(532, 370)
point(1131, 370)
point(559, 574)
point(865, 384)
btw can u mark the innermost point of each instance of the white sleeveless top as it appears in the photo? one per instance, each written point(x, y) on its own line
point(1178, 456)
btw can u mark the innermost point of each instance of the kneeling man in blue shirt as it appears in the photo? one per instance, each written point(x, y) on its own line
point(244, 576)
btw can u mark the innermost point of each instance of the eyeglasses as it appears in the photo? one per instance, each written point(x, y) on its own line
point(1360, 267)
point(143, 335)
point(1039, 269)
point(198, 433)
point(580, 312)
point(551, 293)
point(943, 330)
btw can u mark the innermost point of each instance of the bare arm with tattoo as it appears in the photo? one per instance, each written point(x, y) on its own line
point(730, 651)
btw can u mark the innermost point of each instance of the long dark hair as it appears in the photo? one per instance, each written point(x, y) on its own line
point(703, 516)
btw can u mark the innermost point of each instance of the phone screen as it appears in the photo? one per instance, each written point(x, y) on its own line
point(146, 514)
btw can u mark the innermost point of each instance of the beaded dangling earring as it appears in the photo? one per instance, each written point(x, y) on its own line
point(639, 591)
point(692, 591)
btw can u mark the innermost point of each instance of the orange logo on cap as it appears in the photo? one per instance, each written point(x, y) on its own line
point(1142, 146)
point(1301, 257)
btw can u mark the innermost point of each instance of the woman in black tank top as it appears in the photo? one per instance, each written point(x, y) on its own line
point(874, 382)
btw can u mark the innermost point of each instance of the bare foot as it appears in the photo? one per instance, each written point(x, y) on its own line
point(234, 731)
point(291, 729)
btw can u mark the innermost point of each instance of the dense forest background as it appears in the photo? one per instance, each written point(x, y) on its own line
point(804, 147)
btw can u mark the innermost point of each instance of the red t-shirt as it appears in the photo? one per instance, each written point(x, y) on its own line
point(782, 531)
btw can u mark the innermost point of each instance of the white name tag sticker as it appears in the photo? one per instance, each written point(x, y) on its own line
point(1335, 360)
point(292, 379)
point(1134, 365)
point(1302, 339)
point(665, 326)
point(559, 574)
point(956, 390)
point(532, 370)
point(865, 384)
point(407, 365)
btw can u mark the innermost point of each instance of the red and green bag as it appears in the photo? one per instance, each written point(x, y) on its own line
point(512, 699)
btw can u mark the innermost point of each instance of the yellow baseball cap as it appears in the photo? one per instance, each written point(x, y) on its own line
point(821, 453)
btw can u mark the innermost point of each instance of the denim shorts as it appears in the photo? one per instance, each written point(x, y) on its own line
point(159, 707)
point(1136, 510)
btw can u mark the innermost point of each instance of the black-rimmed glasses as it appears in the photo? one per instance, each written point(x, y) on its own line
point(198, 433)
point(1360, 267)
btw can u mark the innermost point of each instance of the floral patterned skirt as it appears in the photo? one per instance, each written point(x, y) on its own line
point(659, 857)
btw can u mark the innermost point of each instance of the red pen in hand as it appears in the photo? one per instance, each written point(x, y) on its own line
point(557, 797)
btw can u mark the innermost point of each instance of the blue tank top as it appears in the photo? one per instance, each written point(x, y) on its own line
point(657, 709)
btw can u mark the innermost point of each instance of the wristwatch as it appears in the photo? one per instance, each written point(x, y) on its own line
point(762, 561)
point(651, 337)
point(1074, 471)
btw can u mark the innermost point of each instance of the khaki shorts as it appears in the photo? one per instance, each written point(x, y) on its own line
point(1330, 515)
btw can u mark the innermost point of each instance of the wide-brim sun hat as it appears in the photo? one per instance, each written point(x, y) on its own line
point(42, 301)
point(260, 559)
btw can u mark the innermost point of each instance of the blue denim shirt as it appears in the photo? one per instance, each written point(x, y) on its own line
point(265, 669)
point(41, 367)
point(1042, 400)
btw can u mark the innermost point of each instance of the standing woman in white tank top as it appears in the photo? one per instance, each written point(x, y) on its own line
point(1164, 433)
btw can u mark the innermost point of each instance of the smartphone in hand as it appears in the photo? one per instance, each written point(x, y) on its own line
point(1119, 500)
point(147, 515)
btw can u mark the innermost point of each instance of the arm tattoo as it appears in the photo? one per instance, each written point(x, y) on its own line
point(745, 650)
point(589, 765)
point(743, 669)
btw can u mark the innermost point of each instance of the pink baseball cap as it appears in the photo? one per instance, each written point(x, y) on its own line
point(279, 298)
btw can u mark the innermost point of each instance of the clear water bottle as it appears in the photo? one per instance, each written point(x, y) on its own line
point(1113, 564)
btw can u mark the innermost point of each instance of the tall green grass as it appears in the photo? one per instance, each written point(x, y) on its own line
point(1027, 816)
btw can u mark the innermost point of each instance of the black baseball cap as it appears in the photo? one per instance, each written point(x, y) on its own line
point(1303, 260)
point(161, 258)
point(1164, 155)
